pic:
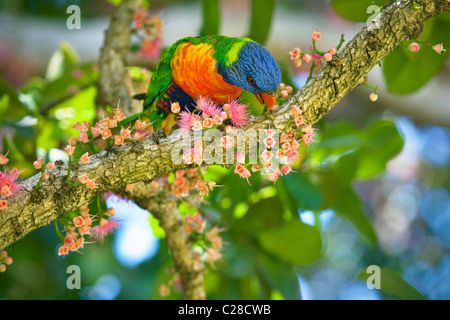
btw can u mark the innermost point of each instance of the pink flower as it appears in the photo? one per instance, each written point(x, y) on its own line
point(316, 35)
point(175, 107)
point(242, 171)
point(69, 150)
point(119, 140)
point(266, 155)
point(72, 141)
point(286, 146)
point(255, 167)
point(105, 227)
point(185, 122)
point(50, 166)
point(414, 47)
point(63, 250)
point(208, 122)
point(286, 169)
point(292, 156)
point(333, 51)
point(188, 157)
point(298, 120)
point(83, 137)
point(269, 142)
point(217, 120)
point(295, 53)
point(439, 48)
point(85, 158)
point(226, 142)
point(8, 179)
point(91, 184)
point(37, 165)
point(3, 159)
point(151, 48)
point(207, 107)
point(83, 178)
point(295, 144)
point(307, 57)
point(45, 175)
point(106, 133)
point(3, 204)
point(279, 154)
point(327, 57)
point(240, 158)
point(238, 113)
point(96, 131)
point(78, 221)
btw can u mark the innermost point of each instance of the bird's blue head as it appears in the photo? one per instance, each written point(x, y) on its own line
point(255, 70)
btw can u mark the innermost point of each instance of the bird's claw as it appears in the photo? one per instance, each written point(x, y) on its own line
point(160, 134)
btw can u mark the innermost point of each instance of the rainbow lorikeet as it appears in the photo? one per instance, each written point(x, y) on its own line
point(212, 66)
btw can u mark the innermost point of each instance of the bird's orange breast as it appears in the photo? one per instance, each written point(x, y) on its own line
point(194, 70)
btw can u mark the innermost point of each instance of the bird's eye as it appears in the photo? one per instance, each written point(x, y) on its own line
point(251, 81)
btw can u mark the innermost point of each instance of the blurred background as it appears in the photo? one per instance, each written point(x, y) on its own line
point(373, 191)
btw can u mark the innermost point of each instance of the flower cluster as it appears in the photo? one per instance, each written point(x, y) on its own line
point(45, 169)
point(9, 185)
point(313, 54)
point(209, 115)
point(148, 30)
point(78, 227)
point(4, 261)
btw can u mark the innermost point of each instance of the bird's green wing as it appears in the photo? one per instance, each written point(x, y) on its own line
point(162, 76)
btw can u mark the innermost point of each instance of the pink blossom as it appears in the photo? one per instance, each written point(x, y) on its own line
point(316, 35)
point(286, 169)
point(207, 107)
point(269, 142)
point(266, 155)
point(439, 48)
point(292, 156)
point(83, 137)
point(208, 123)
point(105, 227)
point(238, 114)
point(226, 142)
point(186, 121)
point(240, 158)
point(3, 159)
point(295, 53)
point(8, 178)
point(175, 107)
point(298, 120)
point(85, 158)
point(307, 57)
point(414, 47)
point(217, 120)
point(255, 167)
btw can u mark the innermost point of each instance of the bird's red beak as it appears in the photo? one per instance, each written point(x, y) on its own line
point(267, 98)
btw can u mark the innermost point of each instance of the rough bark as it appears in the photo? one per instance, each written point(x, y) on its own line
point(114, 83)
point(177, 239)
point(145, 160)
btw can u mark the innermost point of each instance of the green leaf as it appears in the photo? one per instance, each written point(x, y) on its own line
point(63, 58)
point(405, 71)
point(211, 17)
point(158, 231)
point(278, 274)
point(383, 143)
point(262, 12)
point(349, 207)
point(262, 215)
point(356, 10)
point(307, 195)
point(293, 241)
point(4, 104)
point(393, 284)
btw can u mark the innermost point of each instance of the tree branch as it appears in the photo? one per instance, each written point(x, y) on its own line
point(177, 239)
point(114, 82)
point(145, 160)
